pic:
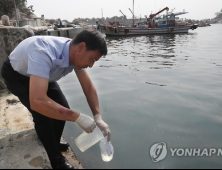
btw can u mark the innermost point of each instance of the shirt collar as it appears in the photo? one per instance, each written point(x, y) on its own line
point(65, 54)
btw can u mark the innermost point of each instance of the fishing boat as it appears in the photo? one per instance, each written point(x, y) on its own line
point(153, 25)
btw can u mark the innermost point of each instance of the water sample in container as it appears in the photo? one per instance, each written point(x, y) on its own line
point(87, 140)
point(107, 150)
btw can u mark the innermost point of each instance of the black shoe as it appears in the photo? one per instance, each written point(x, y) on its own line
point(65, 165)
point(61, 163)
point(64, 146)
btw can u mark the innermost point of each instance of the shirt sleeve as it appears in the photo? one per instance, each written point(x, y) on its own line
point(39, 63)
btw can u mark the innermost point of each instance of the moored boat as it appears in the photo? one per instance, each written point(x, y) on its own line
point(153, 25)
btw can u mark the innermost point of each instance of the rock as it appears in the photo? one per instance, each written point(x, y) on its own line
point(10, 37)
point(23, 151)
point(217, 19)
point(13, 101)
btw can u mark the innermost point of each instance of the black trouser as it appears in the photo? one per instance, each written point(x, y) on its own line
point(48, 130)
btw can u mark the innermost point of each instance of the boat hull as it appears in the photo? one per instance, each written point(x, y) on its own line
point(127, 31)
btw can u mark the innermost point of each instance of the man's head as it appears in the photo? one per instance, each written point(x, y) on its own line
point(87, 48)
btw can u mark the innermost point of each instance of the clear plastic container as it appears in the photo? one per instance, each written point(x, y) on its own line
point(107, 150)
point(87, 140)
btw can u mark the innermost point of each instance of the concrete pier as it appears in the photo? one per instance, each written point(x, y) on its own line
point(19, 144)
point(20, 147)
point(64, 32)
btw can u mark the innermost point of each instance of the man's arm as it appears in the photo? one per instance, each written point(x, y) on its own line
point(92, 98)
point(89, 91)
point(41, 103)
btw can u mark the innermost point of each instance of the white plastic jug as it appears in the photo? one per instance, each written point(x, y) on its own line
point(87, 140)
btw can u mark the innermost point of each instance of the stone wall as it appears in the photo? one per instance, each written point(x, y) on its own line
point(10, 37)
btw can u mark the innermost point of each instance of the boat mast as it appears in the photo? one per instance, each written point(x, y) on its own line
point(102, 15)
point(133, 13)
point(16, 16)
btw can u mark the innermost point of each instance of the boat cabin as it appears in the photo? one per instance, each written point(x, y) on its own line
point(166, 21)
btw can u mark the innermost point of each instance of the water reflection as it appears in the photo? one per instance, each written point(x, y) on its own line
point(144, 49)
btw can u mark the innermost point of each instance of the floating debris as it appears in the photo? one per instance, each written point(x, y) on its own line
point(156, 84)
point(122, 65)
point(217, 65)
point(160, 67)
point(106, 66)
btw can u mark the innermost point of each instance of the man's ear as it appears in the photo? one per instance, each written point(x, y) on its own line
point(81, 47)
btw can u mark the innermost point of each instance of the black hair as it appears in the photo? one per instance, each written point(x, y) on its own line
point(94, 41)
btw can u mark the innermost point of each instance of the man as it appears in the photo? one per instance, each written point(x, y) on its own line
point(31, 72)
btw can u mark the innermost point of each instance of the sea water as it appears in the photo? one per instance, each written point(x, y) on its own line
point(152, 89)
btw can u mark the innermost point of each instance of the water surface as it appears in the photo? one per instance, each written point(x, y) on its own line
point(158, 88)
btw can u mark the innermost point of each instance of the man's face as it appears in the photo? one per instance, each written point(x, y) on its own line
point(83, 58)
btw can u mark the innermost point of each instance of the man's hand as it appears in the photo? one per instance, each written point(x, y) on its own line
point(86, 123)
point(103, 126)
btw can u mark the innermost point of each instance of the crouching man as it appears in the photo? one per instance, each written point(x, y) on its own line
point(31, 73)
